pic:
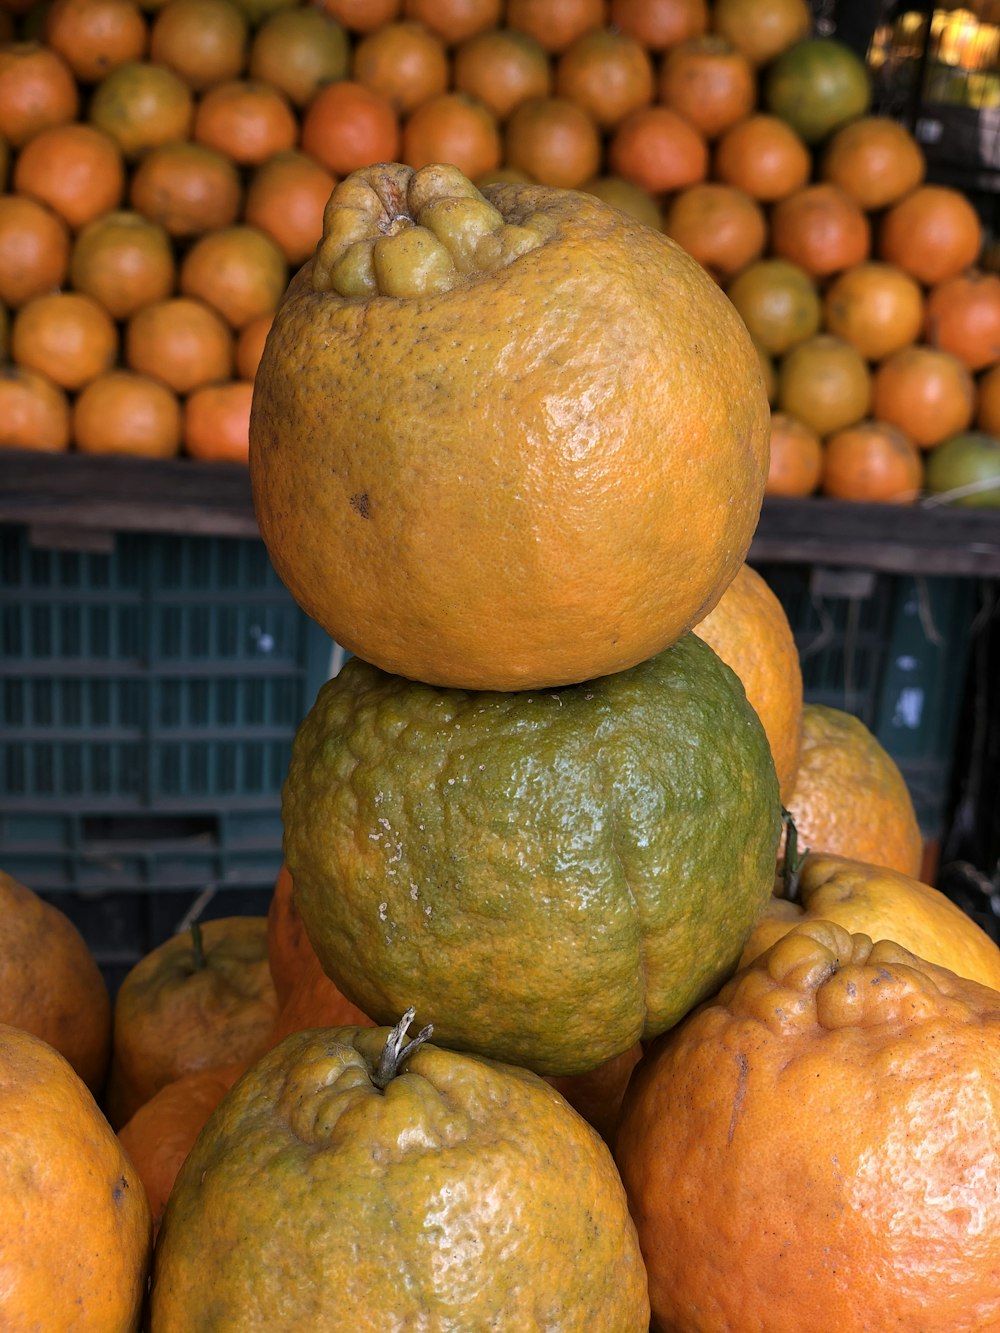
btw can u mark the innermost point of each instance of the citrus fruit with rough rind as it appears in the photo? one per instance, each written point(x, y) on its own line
point(335, 1189)
point(818, 1146)
point(503, 439)
point(547, 876)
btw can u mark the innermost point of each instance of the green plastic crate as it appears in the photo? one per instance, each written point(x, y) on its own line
point(149, 696)
point(893, 650)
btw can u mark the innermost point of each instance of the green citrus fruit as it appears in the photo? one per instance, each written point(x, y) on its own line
point(547, 876)
point(331, 1190)
point(779, 302)
point(968, 464)
point(817, 85)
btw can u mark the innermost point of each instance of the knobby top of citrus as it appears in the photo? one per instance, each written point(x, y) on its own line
point(822, 976)
point(389, 230)
point(884, 904)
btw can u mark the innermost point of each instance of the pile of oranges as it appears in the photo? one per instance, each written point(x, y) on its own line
point(165, 166)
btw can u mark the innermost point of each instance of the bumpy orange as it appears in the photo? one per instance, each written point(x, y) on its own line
point(503, 439)
point(750, 631)
point(288, 944)
point(885, 905)
point(162, 1132)
point(204, 997)
point(547, 876)
point(351, 1182)
point(818, 1147)
point(850, 796)
point(50, 983)
point(74, 1222)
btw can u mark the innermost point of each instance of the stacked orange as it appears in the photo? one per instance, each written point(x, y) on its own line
point(166, 164)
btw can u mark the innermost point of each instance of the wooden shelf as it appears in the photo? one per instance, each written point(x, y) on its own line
point(80, 501)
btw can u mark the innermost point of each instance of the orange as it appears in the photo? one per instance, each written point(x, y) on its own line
point(34, 412)
point(809, 1117)
point(34, 249)
point(123, 261)
point(188, 188)
point(619, 353)
point(876, 307)
point(346, 127)
point(362, 15)
point(762, 29)
point(796, 464)
point(964, 470)
point(93, 36)
point(626, 196)
point(250, 345)
point(963, 317)
point(606, 72)
point(872, 461)
point(455, 20)
point(403, 62)
point(50, 984)
point(180, 341)
point(554, 141)
point(928, 393)
point(246, 120)
point(768, 372)
point(779, 303)
point(933, 233)
point(452, 128)
point(987, 416)
point(659, 23)
point(287, 942)
point(258, 11)
point(885, 905)
point(204, 997)
point(124, 413)
point(76, 1235)
point(202, 41)
point(763, 156)
point(820, 228)
point(66, 336)
point(76, 169)
point(217, 422)
point(298, 51)
point(825, 382)
point(817, 84)
point(306, 995)
point(875, 159)
point(750, 631)
point(285, 199)
point(414, 910)
point(331, 1158)
point(720, 226)
point(597, 1095)
point(238, 270)
point(162, 1131)
point(709, 82)
point(658, 150)
point(555, 23)
point(503, 176)
point(850, 797)
point(502, 68)
point(37, 90)
point(142, 105)
point(314, 1001)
